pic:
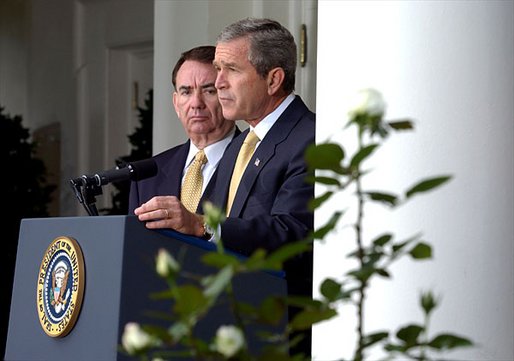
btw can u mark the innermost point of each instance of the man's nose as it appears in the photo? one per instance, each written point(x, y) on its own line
point(197, 100)
point(221, 82)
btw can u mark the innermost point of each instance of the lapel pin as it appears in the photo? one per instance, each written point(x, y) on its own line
point(257, 162)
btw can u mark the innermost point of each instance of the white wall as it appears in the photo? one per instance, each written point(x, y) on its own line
point(449, 66)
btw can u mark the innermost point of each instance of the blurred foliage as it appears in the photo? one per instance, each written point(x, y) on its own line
point(337, 173)
point(25, 191)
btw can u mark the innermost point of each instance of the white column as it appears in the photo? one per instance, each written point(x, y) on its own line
point(449, 66)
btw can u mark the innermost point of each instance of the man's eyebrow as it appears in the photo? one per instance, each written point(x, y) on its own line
point(203, 86)
point(224, 63)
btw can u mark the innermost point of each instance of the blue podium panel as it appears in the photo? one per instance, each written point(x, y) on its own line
point(119, 259)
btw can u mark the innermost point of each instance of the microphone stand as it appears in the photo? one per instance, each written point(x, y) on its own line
point(86, 188)
point(86, 193)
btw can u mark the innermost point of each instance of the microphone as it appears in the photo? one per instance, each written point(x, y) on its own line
point(137, 170)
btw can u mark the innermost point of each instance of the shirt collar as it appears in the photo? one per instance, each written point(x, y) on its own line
point(269, 120)
point(213, 152)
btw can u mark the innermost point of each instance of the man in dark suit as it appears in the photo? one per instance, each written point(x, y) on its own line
point(256, 63)
point(197, 106)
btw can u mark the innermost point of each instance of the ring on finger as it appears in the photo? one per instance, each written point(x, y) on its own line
point(167, 213)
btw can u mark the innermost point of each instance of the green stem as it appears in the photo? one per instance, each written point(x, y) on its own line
point(359, 354)
point(422, 355)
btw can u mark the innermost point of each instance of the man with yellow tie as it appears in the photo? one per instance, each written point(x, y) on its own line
point(186, 171)
point(261, 178)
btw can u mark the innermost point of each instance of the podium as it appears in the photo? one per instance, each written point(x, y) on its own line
point(119, 276)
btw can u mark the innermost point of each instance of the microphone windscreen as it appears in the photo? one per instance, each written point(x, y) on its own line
point(142, 169)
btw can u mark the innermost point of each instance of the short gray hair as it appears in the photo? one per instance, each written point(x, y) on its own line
point(271, 46)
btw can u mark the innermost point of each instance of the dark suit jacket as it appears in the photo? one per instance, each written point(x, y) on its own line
point(270, 206)
point(168, 181)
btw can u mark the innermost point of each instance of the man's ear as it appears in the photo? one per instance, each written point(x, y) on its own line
point(174, 98)
point(275, 80)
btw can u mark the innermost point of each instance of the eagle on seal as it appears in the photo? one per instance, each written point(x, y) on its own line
point(59, 280)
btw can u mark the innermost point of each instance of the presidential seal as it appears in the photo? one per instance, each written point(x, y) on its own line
point(60, 286)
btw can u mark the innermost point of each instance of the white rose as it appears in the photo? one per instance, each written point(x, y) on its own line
point(229, 340)
point(166, 264)
point(367, 101)
point(134, 339)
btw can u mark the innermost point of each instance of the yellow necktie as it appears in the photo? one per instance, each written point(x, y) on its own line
point(192, 186)
point(245, 153)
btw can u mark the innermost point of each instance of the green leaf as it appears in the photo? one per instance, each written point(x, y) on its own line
point(373, 338)
point(321, 232)
point(409, 334)
point(382, 240)
point(327, 180)
point(330, 289)
point(316, 202)
point(193, 346)
point(382, 272)
point(362, 274)
point(272, 310)
point(405, 124)
point(355, 254)
point(162, 295)
point(191, 301)
point(387, 198)
point(421, 251)
point(372, 258)
point(362, 154)
point(399, 246)
point(392, 347)
point(324, 156)
point(218, 283)
point(160, 333)
point(220, 260)
point(448, 341)
point(426, 185)
point(286, 252)
point(246, 309)
point(306, 318)
point(179, 330)
point(256, 260)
